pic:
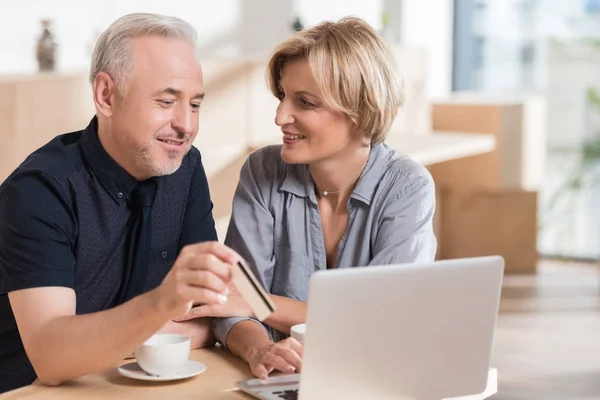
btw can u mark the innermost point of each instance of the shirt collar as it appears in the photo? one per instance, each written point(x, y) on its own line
point(299, 182)
point(376, 167)
point(115, 180)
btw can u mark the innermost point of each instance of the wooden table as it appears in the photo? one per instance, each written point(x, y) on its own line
point(217, 382)
point(440, 146)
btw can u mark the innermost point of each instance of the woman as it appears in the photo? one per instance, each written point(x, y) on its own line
point(332, 195)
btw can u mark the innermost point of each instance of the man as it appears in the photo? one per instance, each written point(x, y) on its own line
point(100, 229)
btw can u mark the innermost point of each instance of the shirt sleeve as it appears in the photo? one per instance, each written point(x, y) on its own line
point(37, 234)
point(250, 231)
point(198, 222)
point(405, 233)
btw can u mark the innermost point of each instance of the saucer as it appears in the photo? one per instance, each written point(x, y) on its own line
point(133, 370)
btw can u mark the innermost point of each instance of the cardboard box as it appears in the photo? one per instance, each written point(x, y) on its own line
point(517, 162)
point(480, 223)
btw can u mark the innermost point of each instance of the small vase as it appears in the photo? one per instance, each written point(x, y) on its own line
point(46, 48)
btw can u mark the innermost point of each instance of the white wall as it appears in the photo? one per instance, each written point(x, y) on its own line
point(428, 24)
point(77, 22)
point(311, 12)
point(264, 25)
point(225, 27)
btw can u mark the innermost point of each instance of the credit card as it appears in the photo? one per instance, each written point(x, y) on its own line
point(252, 291)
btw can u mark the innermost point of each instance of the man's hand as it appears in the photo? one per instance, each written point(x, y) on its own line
point(285, 356)
point(200, 274)
point(62, 345)
point(236, 306)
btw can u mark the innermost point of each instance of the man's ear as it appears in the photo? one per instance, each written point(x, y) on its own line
point(104, 92)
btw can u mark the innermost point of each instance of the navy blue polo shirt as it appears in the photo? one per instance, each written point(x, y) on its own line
point(66, 220)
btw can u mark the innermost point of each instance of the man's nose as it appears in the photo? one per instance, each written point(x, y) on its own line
point(183, 120)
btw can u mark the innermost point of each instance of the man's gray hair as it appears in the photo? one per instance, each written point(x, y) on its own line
point(112, 53)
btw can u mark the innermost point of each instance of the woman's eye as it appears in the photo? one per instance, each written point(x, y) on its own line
point(305, 103)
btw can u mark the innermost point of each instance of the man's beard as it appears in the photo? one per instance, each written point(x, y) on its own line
point(145, 162)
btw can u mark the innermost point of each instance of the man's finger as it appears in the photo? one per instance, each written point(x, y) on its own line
point(186, 317)
point(204, 279)
point(207, 310)
point(207, 262)
point(233, 289)
point(202, 295)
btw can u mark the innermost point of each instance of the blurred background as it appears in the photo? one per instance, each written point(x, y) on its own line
point(503, 107)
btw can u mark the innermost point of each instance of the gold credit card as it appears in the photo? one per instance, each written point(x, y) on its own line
point(252, 291)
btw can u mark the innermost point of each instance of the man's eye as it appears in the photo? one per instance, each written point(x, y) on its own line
point(166, 102)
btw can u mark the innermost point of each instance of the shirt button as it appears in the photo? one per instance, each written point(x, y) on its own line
point(119, 195)
point(163, 254)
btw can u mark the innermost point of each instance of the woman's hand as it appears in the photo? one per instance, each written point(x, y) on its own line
point(284, 356)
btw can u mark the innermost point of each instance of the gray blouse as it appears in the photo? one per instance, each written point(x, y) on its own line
point(276, 227)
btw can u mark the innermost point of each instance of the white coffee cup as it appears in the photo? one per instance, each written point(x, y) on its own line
point(163, 354)
point(298, 332)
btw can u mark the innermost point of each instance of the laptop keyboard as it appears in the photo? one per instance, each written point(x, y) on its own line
point(287, 394)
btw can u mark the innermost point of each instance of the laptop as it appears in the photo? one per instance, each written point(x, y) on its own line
point(415, 331)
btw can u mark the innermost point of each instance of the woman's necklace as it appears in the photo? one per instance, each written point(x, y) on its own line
point(326, 192)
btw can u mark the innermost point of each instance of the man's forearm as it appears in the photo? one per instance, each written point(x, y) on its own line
point(289, 312)
point(246, 336)
point(78, 345)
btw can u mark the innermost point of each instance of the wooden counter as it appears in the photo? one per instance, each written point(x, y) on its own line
point(35, 108)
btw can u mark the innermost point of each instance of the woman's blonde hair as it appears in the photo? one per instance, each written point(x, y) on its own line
point(353, 68)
